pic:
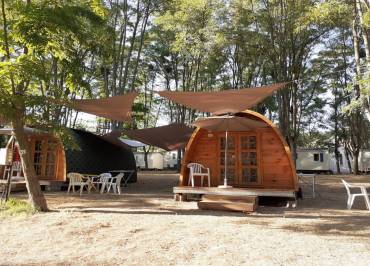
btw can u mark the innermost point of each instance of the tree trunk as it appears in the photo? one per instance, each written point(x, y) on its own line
point(179, 159)
point(346, 152)
point(355, 162)
point(132, 43)
point(146, 152)
point(336, 137)
point(145, 22)
point(36, 197)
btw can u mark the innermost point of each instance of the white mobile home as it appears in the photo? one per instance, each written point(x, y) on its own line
point(157, 160)
point(322, 160)
point(313, 160)
point(364, 161)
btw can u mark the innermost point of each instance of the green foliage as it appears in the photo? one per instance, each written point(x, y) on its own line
point(16, 207)
point(193, 25)
point(315, 139)
point(50, 44)
point(330, 13)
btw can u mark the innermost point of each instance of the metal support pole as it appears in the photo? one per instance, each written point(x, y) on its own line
point(225, 177)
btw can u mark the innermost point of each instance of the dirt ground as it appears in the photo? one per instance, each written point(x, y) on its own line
point(145, 226)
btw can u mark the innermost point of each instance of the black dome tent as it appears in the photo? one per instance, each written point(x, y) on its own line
point(52, 161)
point(98, 155)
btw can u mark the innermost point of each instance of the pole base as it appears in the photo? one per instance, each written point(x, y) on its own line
point(225, 186)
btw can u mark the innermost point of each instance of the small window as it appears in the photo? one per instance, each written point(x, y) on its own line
point(173, 156)
point(316, 157)
point(321, 157)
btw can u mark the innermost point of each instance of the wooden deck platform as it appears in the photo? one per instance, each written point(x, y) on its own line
point(20, 185)
point(181, 190)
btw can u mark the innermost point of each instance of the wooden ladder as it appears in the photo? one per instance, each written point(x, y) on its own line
point(245, 204)
point(7, 185)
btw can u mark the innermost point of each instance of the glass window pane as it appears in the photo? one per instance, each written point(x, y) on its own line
point(50, 158)
point(253, 175)
point(222, 158)
point(231, 159)
point(231, 143)
point(49, 171)
point(231, 177)
point(38, 145)
point(222, 144)
point(253, 158)
point(37, 158)
point(252, 142)
point(244, 142)
point(38, 169)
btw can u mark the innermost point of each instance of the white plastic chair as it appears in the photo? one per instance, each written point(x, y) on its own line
point(351, 197)
point(76, 179)
point(105, 180)
point(116, 184)
point(98, 180)
point(196, 169)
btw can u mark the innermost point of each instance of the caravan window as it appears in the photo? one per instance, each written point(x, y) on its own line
point(318, 157)
point(173, 156)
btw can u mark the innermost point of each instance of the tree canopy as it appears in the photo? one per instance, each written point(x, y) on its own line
point(52, 52)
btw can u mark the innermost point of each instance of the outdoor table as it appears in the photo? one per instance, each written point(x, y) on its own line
point(125, 179)
point(90, 178)
point(313, 178)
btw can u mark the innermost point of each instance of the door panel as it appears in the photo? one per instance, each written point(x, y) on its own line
point(243, 159)
point(248, 160)
point(231, 159)
point(45, 158)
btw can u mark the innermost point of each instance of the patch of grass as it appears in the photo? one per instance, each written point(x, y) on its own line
point(15, 207)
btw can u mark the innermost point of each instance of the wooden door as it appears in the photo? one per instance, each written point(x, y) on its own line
point(37, 156)
point(248, 161)
point(50, 159)
point(231, 159)
point(45, 158)
point(243, 159)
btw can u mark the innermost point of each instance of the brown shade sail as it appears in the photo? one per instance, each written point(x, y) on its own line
point(116, 108)
point(170, 137)
point(222, 102)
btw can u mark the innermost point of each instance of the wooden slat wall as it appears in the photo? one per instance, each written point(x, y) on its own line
point(277, 172)
point(204, 151)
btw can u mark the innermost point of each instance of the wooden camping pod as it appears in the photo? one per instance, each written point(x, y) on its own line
point(48, 155)
point(94, 155)
point(257, 159)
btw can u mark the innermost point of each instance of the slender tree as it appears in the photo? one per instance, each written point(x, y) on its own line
point(33, 35)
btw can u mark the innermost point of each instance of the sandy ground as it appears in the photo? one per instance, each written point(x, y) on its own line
point(145, 226)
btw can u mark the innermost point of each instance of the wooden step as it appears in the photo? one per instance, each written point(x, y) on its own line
point(227, 206)
point(230, 199)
